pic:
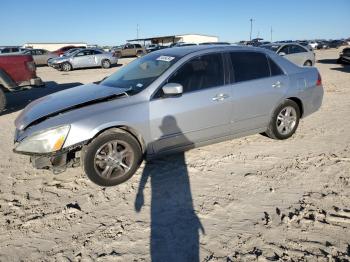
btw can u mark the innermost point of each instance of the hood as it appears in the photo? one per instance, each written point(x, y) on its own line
point(65, 100)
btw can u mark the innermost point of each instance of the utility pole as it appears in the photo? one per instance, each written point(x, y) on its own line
point(137, 31)
point(271, 33)
point(251, 28)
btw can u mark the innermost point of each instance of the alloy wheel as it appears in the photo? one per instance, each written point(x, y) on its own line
point(286, 120)
point(113, 159)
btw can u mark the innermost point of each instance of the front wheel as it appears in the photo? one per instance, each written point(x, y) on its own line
point(2, 100)
point(111, 158)
point(66, 66)
point(284, 121)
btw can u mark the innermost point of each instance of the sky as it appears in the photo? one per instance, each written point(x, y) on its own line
point(108, 22)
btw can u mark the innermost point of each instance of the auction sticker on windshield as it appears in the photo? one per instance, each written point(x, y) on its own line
point(165, 58)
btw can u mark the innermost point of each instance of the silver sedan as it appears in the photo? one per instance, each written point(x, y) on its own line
point(170, 100)
point(84, 58)
point(294, 52)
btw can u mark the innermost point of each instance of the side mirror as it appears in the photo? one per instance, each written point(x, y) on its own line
point(172, 89)
point(282, 53)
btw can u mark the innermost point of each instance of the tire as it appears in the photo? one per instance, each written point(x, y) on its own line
point(279, 130)
point(2, 100)
point(139, 53)
point(66, 67)
point(308, 63)
point(103, 162)
point(106, 64)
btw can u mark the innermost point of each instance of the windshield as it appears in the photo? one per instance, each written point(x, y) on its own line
point(140, 73)
point(271, 47)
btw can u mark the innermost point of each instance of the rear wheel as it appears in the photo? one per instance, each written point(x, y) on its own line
point(284, 121)
point(111, 158)
point(106, 64)
point(2, 100)
point(308, 63)
point(66, 66)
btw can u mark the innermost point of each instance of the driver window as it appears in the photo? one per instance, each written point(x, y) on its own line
point(200, 73)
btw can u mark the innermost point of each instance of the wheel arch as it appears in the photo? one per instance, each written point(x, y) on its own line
point(299, 103)
point(132, 131)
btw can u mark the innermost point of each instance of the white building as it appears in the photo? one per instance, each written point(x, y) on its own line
point(52, 46)
point(187, 38)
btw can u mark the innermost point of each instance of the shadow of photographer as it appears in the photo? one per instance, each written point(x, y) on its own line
point(174, 224)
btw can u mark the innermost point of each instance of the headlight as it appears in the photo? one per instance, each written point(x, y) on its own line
point(50, 140)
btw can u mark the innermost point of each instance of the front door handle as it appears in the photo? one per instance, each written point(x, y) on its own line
point(220, 97)
point(278, 84)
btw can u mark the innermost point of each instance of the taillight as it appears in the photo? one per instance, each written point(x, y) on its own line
point(319, 80)
point(31, 66)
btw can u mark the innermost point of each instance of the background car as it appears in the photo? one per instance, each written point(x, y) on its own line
point(16, 71)
point(344, 56)
point(294, 52)
point(313, 44)
point(84, 58)
point(323, 44)
point(61, 50)
point(40, 56)
point(11, 49)
point(335, 44)
point(128, 50)
point(154, 47)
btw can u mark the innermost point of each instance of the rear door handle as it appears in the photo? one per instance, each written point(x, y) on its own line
point(278, 84)
point(220, 97)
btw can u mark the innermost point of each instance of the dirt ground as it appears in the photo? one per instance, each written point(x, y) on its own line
point(250, 199)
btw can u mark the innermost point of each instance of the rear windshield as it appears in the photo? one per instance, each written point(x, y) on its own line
point(271, 47)
point(140, 73)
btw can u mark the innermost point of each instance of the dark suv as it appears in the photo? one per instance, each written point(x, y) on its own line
point(344, 56)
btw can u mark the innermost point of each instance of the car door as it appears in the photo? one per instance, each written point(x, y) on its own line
point(200, 114)
point(128, 50)
point(258, 84)
point(96, 58)
point(82, 59)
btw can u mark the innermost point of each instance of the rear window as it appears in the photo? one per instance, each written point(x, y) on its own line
point(249, 66)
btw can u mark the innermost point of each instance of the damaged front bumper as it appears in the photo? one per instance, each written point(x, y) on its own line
point(58, 161)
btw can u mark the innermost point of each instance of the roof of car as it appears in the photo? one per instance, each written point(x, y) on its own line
point(185, 50)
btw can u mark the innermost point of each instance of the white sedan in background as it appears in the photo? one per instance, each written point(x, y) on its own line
point(294, 52)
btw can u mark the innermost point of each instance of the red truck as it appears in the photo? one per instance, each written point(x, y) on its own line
point(16, 71)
